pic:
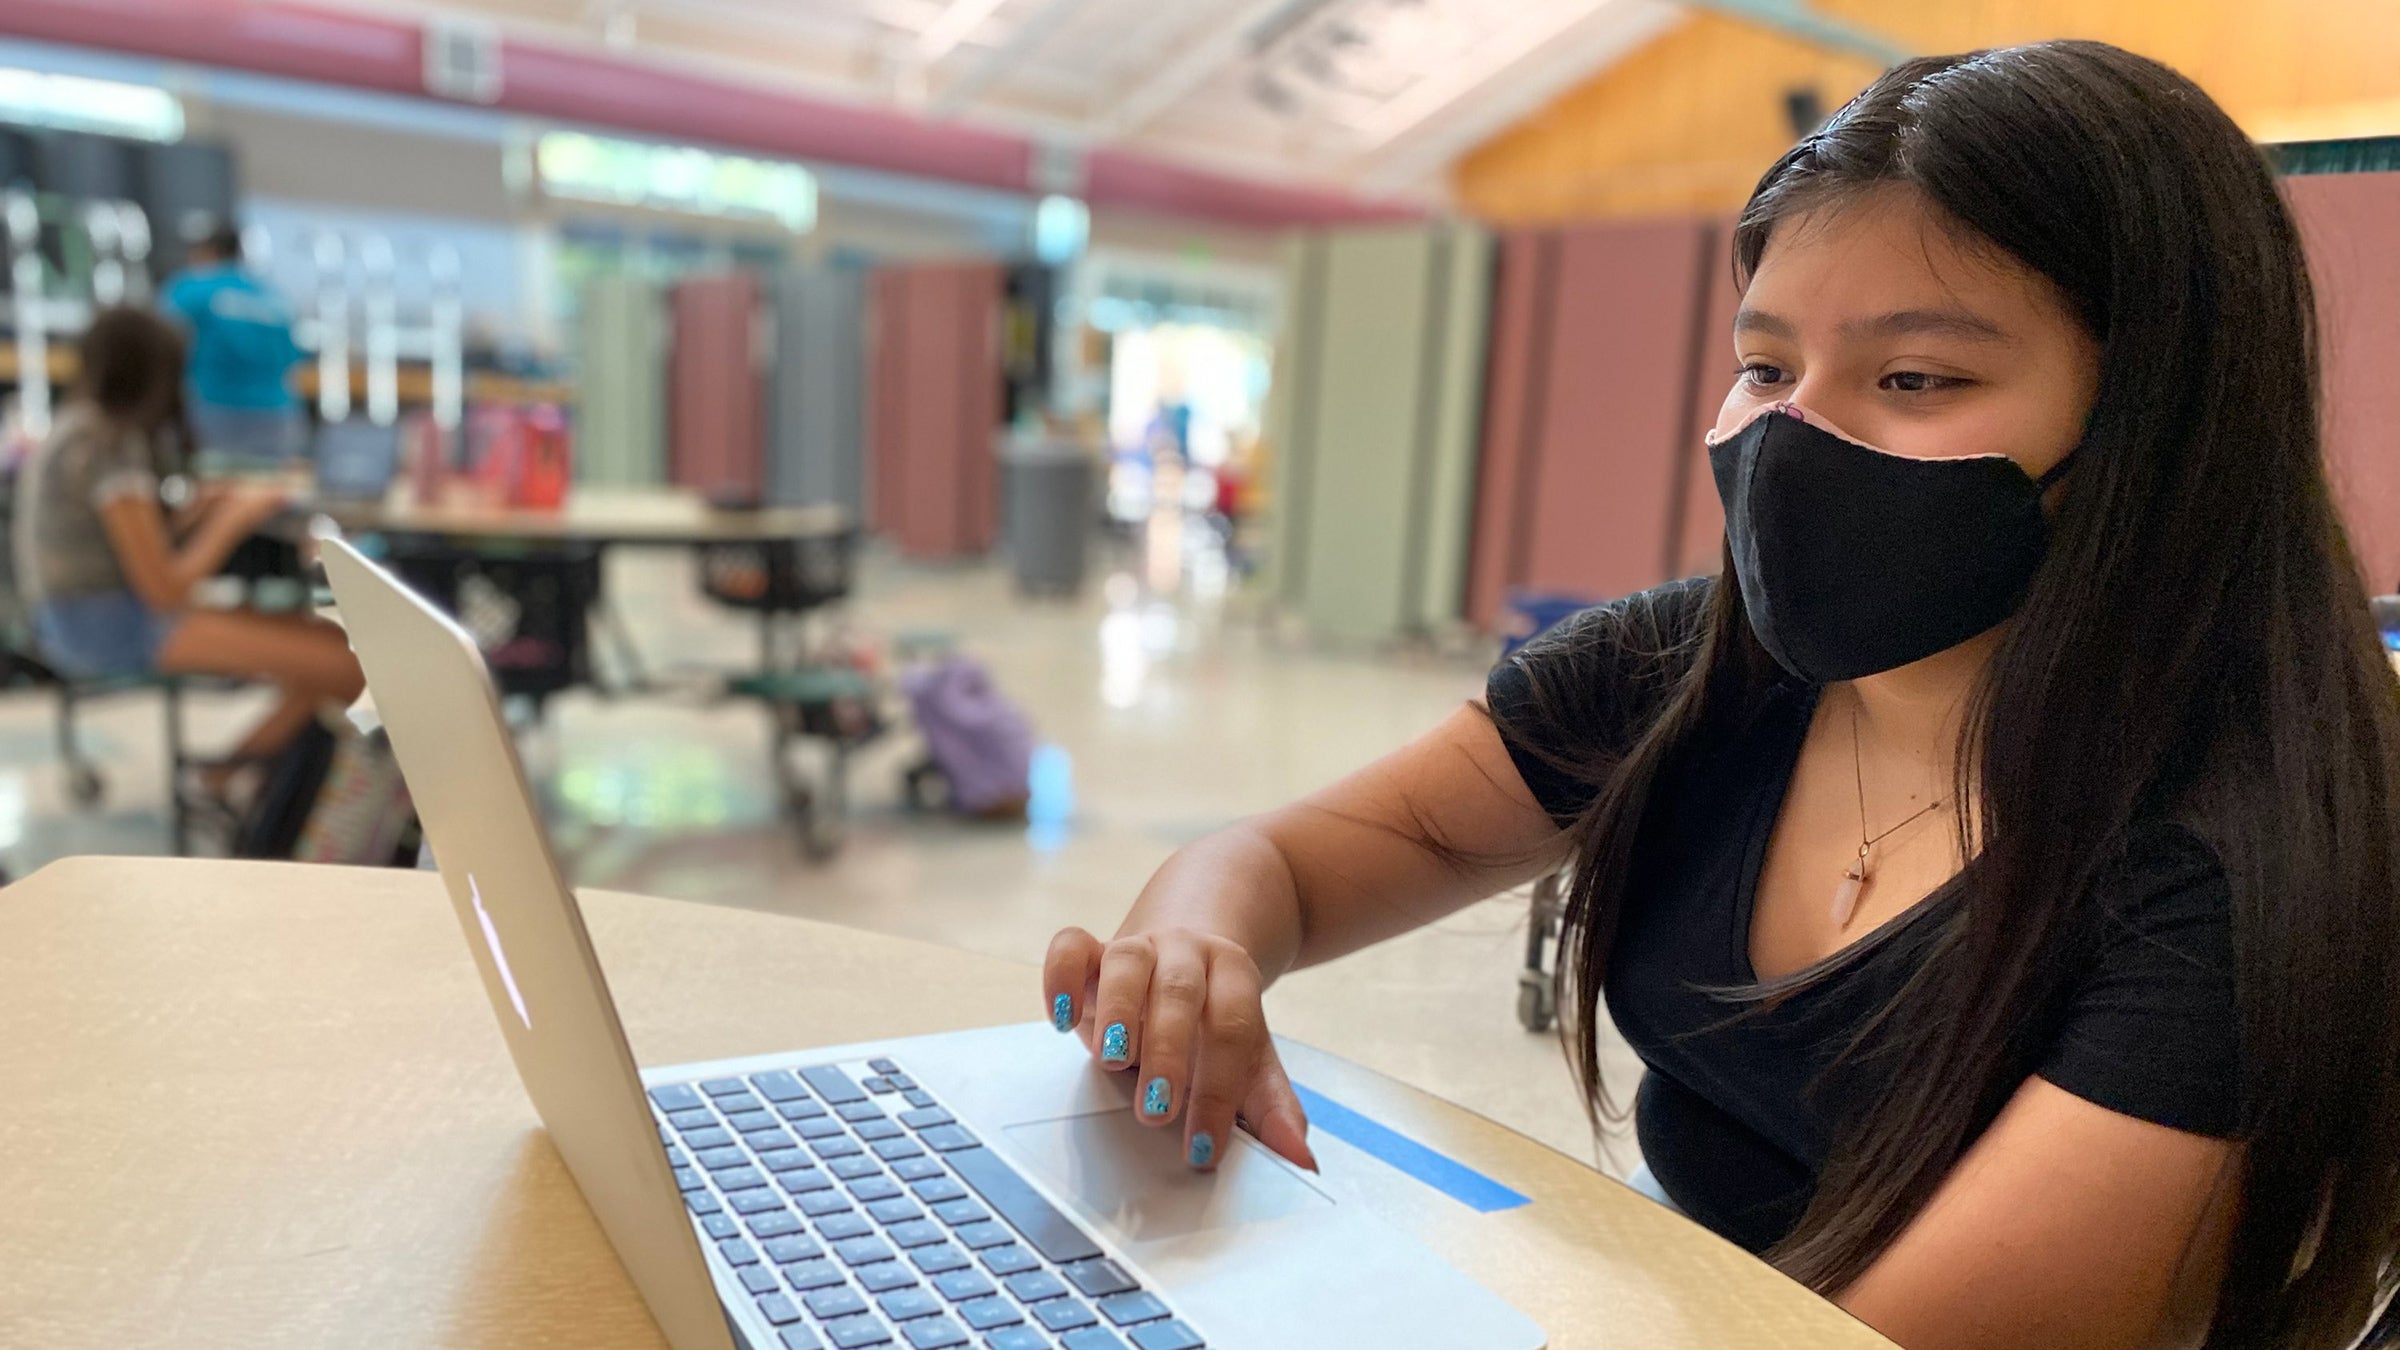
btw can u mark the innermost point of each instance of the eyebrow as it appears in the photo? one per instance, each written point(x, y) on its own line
point(1954, 323)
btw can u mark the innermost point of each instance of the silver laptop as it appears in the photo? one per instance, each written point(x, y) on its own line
point(988, 1189)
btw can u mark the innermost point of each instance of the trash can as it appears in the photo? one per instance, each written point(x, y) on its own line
point(1047, 505)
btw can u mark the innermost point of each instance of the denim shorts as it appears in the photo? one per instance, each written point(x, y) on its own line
point(104, 634)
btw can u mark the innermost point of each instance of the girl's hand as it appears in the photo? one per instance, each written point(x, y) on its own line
point(1184, 1006)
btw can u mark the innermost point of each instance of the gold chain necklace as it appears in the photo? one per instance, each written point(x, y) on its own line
point(1854, 879)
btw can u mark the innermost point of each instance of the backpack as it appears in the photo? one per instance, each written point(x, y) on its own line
point(978, 739)
point(362, 816)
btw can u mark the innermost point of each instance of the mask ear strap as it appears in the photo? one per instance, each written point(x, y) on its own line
point(2057, 471)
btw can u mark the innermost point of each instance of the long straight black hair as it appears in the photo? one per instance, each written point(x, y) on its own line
point(2197, 646)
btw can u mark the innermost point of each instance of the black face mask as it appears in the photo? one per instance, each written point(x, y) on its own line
point(1854, 561)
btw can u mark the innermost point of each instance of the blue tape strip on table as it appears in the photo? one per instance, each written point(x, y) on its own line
point(1440, 1171)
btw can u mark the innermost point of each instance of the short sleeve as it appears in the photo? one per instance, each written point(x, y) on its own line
point(2154, 1030)
point(1578, 697)
point(120, 467)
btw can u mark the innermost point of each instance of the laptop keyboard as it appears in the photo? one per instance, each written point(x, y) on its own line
point(858, 1213)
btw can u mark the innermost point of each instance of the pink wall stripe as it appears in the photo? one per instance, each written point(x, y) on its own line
point(2350, 223)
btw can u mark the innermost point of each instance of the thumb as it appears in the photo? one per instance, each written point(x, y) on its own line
point(1275, 1116)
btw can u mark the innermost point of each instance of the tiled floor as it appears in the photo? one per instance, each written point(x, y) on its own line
point(1180, 708)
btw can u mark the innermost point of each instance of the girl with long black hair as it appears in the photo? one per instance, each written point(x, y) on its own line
point(1996, 867)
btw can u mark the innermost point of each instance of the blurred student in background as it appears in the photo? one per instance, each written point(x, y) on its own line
point(110, 573)
point(241, 357)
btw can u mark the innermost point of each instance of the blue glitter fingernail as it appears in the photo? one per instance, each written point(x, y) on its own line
point(1062, 1012)
point(1156, 1098)
point(1114, 1043)
point(1204, 1149)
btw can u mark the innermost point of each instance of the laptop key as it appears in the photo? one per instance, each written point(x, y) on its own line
point(891, 1209)
point(1092, 1338)
point(947, 1138)
point(1034, 1285)
point(804, 1109)
point(745, 1121)
point(985, 1313)
point(831, 1084)
point(933, 1333)
point(675, 1097)
point(829, 1149)
point(1009, 1260)
point(852, 1169)
point(737, 1252)
point(818, 1204)
point(828, 1304)
point(876, 1129)
point(823, 1127)
point(804, 1183)
point(785, 1160)
point(754, 1202)
point(885, 1065)
point(908, 1303)
point(701, 1202)
point(1063, 1314)
point(853, 1332)
point(699, 1118)
point(767, 1141)
point(917, 1169)
point(801, 1338)
point(914, 1233)
point(809, 1275)
point(893, 1150)
point(925, 1117)
point(1017, 1338)
point(688, 1179)
point(901, 1081)
point(719, 1225)
point(1099, 1279)
point(779, 1309)
point(916, 1096)
point(791, 1250)
point(740, 1179)
point(740, 1102)
point(779, 1086)
point(1126, 1309)
point(712, 1137)
point(938, 1259)
point(879, 1085)
point(1046, 1230)
point(960, 1285)
point(956, 1212)
point(862, 1251)
point(773, 1223)
point(884, 1278)
point(849, 1224)
point(759, 1280)
point(724, 1155)
point(858, 1110)
point(724, 1087)
point(874, 1188)
point(1166, 1336)
point(977, 1237)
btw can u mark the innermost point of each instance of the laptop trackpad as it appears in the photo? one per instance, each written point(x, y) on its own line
point(1133, 1177)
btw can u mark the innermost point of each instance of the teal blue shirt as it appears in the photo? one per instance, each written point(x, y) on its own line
point(241, 336)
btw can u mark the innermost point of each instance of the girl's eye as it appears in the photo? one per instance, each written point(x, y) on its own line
point(1762, 375)
point(1918, 382)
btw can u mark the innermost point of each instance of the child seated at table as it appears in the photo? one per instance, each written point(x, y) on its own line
point(109, 573)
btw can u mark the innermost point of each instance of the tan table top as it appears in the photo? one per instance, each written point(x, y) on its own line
point(595, 515)
point(265, 1105)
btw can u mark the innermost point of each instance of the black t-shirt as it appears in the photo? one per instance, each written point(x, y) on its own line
point(1736, 1114)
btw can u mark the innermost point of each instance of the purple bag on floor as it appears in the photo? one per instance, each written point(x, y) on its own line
point(978, 739)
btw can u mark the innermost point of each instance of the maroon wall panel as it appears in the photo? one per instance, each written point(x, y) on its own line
point(716, 434)
point(2351, 225)
point(1518, 338)
point(1700, 539)
point(1615, 410)
point(936, 370)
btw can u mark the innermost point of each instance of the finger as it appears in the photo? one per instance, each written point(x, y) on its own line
point(1274, 1114)
point(1117, 1007)
point(1067, 973)
point(1233, 1041)
point(1178, 988)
